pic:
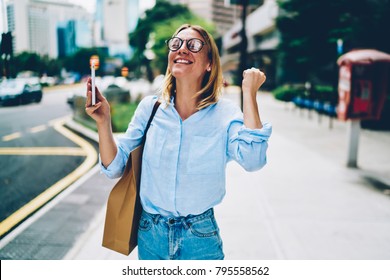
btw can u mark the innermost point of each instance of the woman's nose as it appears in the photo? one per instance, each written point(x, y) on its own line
point(183, 48)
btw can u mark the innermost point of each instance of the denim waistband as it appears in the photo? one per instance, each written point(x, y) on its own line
point(186, 221)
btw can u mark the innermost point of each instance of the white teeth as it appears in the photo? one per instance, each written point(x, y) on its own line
point(184, 61)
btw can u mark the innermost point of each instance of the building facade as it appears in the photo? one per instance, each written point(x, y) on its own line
point(34, 25)
point(114, 20)
point(219, 12)
point(263, 39)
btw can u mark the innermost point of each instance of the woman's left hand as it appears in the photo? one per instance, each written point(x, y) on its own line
point(252, 80)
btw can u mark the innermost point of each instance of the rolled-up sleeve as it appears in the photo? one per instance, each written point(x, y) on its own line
point(248, 146)
point(116, 167)
point(131, 139)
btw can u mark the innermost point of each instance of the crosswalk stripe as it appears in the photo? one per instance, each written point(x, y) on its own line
point(12, 136)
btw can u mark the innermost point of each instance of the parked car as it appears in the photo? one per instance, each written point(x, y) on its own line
point(20, 91)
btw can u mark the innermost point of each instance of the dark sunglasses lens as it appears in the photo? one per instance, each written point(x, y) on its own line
point(174, 44)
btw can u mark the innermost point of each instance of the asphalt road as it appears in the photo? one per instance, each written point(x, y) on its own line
point(39, 157)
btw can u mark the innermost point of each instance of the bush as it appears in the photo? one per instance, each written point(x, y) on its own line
point(288, 92)
point(121, 114)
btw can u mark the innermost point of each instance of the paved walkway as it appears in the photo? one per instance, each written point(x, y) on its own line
point(305, 204)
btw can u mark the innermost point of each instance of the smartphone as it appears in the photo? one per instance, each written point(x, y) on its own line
point(93, 82)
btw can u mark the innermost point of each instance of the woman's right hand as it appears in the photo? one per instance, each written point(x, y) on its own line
point(100, 112)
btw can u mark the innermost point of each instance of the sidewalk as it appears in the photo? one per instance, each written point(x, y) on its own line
point(305, 204)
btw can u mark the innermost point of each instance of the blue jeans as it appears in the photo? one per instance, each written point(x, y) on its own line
point(195, 237)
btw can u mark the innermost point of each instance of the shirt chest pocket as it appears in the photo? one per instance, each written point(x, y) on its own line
point(205, 155)
point(155, 142)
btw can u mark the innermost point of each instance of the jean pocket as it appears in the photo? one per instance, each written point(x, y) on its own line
point(204, 228)
point(145, 223)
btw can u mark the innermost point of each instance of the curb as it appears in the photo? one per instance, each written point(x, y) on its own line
point(82, 130)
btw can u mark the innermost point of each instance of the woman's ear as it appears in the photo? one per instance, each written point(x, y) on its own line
point(209, 68)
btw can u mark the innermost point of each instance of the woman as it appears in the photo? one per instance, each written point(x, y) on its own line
point(190, 140)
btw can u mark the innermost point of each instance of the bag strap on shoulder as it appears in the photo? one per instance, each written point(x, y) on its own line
point(155, 107)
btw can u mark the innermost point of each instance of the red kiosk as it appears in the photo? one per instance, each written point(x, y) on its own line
point(364, 82)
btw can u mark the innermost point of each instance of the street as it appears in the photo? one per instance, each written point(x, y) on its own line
point(38, 156)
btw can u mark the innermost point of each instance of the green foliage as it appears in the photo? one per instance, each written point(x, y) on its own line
point(287, 92)
point(26, 61)
point(79, 62)
point(306, 45)
point(40, 65)
point(324, 89)
point(121, 115)
point(310, 29)
point(158, 24)
point(139, 38)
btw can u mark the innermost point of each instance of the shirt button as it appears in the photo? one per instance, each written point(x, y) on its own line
point(171, 221)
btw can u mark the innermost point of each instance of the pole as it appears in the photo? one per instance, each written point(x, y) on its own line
point(243, 48)
point(353, 142)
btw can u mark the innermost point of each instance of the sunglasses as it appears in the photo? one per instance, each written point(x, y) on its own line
point(193, 45)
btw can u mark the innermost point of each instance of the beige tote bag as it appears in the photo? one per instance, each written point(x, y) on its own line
point(124, 205)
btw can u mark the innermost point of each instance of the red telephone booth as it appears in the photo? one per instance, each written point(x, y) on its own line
point(363, 84)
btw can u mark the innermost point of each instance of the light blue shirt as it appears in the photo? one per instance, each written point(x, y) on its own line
point(184, 162)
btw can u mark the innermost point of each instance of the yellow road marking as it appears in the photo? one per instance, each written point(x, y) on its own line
point(38, 128)
point(35, 129)
point(61, 120)
point(44, 151)
point(41, 199)
point(12, 136)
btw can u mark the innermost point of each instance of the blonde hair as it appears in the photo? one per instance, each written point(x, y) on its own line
point(212, 81)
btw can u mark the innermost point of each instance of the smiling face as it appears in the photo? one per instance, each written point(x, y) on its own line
point(184, 63)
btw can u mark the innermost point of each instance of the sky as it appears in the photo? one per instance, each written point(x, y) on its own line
point(90, 4)
point(87, 4)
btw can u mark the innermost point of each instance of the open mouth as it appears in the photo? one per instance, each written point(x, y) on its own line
point(182, 61)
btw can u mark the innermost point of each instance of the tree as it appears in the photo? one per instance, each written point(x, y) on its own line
point(310, 29)
point(153, 29)
point(141, 35)
point(363, 23)
point(79, 62)
point(307, 48)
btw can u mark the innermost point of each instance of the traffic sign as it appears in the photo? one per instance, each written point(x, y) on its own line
point(124, 71)
point(94, 61)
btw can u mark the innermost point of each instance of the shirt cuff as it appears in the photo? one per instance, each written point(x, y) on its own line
point(255, 135)
point(114, 169)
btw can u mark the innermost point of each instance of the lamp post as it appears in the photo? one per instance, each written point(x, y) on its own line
point(6, 52)
point(6, 41)
point(243, 48)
